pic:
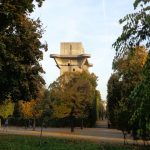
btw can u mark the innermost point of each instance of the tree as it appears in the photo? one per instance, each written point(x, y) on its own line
point(129, 69)
point(129, 66)
point(140, 97)
point(45, 108)
point(29, 110)
point(127, 75)
point(6, 109)
point(37, 109)
point(136, 33)
point(113, 97)
point(99, 108)
point(20, 50)
point(136, 29)
point(72, 96)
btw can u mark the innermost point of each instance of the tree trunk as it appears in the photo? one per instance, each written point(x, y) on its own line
point(81, 123)
point(26, 124)
point(102, 115)
point(41, 132)
point(144, 136)
point(124, 137)
point(72, 123)
point(34, 124)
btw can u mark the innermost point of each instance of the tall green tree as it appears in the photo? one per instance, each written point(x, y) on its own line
point(141, 99)
point(72, 96)
point(127, 75)
point(136, 32)
point(113, 97)
point(99, 108)
point(20, 50)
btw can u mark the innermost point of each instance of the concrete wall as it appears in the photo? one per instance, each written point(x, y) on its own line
point(69, 69)
point(73, 48)
point(70, 58)
point(70, 65)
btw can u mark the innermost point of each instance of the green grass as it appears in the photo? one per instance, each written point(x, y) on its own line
point(15, 142)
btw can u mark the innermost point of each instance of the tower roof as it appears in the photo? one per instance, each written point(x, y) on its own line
point(71, 50)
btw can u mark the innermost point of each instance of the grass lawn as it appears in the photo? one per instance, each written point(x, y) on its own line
point(15, 142)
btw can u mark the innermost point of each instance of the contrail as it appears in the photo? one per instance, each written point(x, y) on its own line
point(105, 20)
point(104, 8)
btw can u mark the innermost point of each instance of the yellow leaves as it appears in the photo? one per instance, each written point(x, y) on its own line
point(137, 58)
point(6, 108)
point(72, 94)
point(141, 54)
point(29, 109)
point(61, 111)
point(132, 62)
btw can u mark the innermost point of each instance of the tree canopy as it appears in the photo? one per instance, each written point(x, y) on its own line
point(127, 75)
point(136, 29)
point(72, 95)
point(20, 50)
point(136, 33)
point(6, 108)
point(70, 92)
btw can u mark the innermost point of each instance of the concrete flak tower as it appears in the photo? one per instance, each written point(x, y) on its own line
point(71, 58)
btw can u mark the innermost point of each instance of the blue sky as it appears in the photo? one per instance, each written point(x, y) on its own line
point(92, 22)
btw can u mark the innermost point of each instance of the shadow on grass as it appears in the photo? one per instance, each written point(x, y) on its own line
point(15, 142)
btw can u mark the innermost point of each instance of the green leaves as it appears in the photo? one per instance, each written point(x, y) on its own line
point(135, 32)
point(128, 74)
point(138, 2)
point(20, 51)
point(141, 97)
point(72, 95)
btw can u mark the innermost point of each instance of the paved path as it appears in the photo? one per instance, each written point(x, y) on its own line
point(102, 123)
point(97, 134)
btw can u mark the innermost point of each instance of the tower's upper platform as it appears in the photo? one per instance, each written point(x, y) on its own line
point(71, 50)
point(71, 57)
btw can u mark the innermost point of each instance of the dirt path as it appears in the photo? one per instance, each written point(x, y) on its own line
point(97, 134)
